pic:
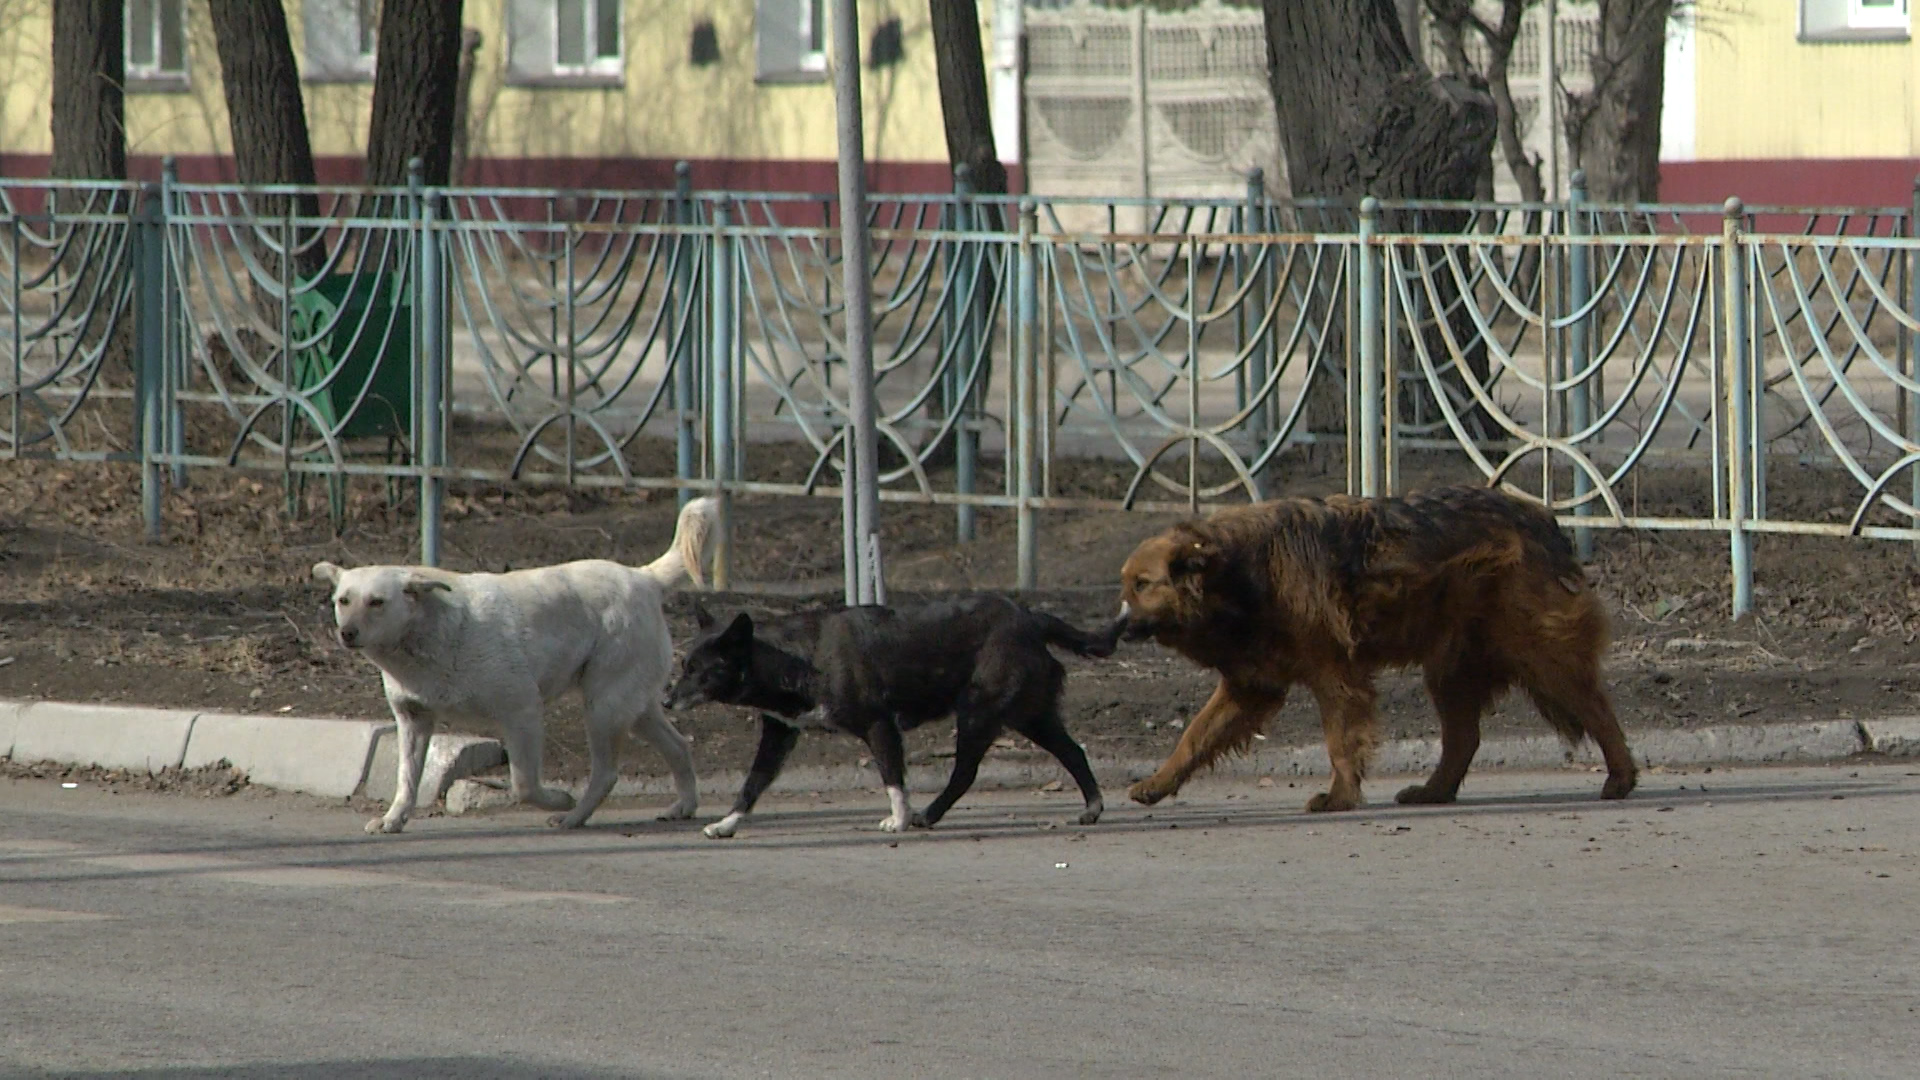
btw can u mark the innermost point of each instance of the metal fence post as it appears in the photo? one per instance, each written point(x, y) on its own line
point(1254, 309)
point(682, 319)
point(430, 302)
point(965, 307)
point(176, 360)
point(1372, 349)
point(1026, 362)
point(1580, 347)
point(150, 392)
point(1739, 361)
point(720, 393)
point(1912, 345)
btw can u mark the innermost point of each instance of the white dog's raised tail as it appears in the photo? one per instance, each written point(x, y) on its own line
point(686, 558)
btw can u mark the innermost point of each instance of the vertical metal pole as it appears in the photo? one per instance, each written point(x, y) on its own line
point(431, 361)
point(680, 312)
point(1255, 307)
point(1142, 112)
point(1550, 92)
point(150, 352)
point(19, 354)
point(1194, 376)
point(1739, 363)
point(571, 239)
point(1026, 363)
point(720, 392)
point(1350, 313)
point(1372, 467)
point(1580, 346)
point(178, 356)
point(1910, 402)
point(857, 283)
point(966, 353)
point(287, 391)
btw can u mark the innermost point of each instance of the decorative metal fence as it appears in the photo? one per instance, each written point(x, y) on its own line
point(1634, 367)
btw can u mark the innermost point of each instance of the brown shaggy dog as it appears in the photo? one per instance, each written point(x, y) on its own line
point(1479, 588)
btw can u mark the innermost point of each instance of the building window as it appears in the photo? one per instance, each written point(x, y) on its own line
point(156, 37)
point(586, 36)
point(1855, 20)
point(366, 20)
point(790, 39)
point(564, 42)
point(342, 36)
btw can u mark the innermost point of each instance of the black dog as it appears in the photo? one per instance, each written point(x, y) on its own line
point(875, 672)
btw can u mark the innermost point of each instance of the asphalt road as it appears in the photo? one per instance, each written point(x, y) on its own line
point(1763, 926)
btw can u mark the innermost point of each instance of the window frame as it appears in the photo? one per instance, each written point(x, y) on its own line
point(791, 39)
point(1897, 17)
point(597, 65)
point(1843, 21)
point(366, 19)
point(814, 29)
point(155, 76)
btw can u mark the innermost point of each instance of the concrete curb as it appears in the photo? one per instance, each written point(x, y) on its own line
point(9, 723)
point(1895, 736)
point(319, 757)
point(112, 737)
point(340, 758)
point(449, 758)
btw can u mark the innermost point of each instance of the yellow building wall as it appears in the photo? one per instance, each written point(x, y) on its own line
point(1762, 93)
point(666, 109)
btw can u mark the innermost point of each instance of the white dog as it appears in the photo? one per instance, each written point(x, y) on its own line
point(501, 645)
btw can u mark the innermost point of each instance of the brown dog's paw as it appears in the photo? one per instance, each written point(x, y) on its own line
point(1146, 792)
point(1619, 786)
point(1326, 802)
point(1421, 795)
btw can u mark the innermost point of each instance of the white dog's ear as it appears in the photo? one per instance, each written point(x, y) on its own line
point(702, 618)
point(419, 585)
point(327, 572)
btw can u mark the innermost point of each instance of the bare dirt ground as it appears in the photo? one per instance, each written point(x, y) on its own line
point(223, 614)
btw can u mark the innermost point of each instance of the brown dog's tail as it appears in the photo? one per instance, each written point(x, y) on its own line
point(687, 554)
point(1060, 632)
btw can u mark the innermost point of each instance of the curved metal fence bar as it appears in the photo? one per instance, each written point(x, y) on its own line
point(65, 297)
point(1643, 367)
point(1841, 366)
point(1601, 379)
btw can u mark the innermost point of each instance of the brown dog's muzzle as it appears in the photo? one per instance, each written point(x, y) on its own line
point(1133, 626)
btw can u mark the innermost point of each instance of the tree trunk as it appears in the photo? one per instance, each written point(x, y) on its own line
point(470, 41)
point(1451, 20)
point(960, 63)
point(90, 143)
point(265, 112)
point(416, 85)
point(962, 69)
point(1613, 131)
point(1361, 115)
point(89, 105)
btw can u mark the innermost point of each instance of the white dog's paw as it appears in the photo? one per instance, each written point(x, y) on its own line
point(382, 825)
point(893, 824)
point(564, 821)
point(679, 811)
point(724, 828)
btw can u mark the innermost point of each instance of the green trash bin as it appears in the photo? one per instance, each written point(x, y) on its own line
point(371, 346)
point(372, 338)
